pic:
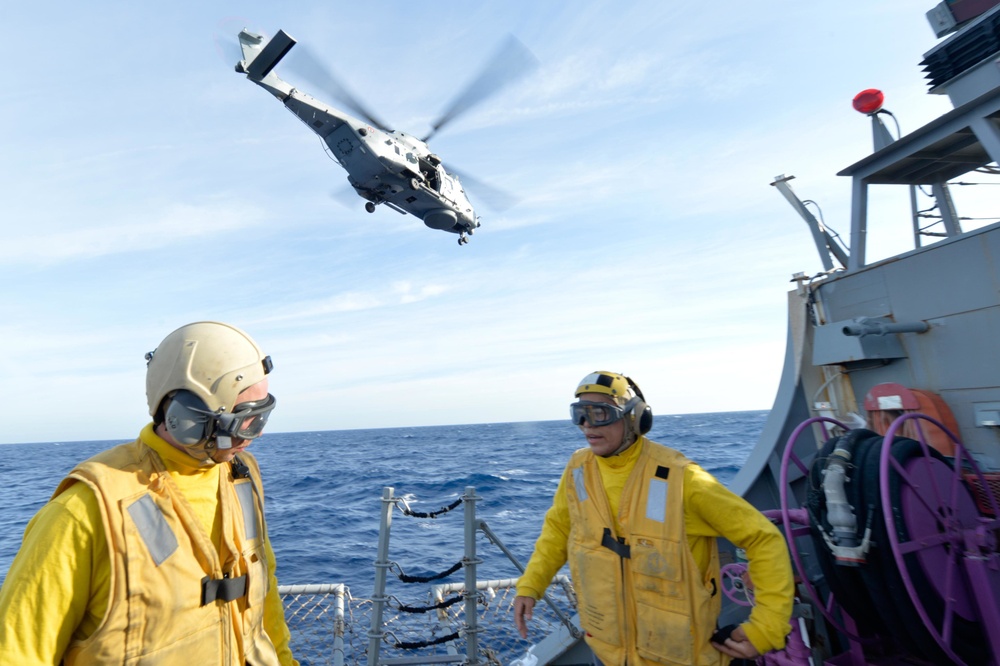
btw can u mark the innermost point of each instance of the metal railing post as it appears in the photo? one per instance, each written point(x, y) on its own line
point(381, 565)
point(471, 593)
point(338, 628)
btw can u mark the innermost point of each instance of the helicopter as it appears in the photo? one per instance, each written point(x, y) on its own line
point(385, 166)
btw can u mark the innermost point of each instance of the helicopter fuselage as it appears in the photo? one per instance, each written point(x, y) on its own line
point(384, 167)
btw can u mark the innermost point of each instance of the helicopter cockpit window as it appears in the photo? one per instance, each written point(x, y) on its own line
point(411, 158)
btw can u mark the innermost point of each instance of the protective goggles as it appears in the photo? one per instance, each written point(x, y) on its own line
point(598, 413)
point(247, 419)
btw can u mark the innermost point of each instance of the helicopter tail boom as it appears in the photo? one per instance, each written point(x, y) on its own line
point(258, 59)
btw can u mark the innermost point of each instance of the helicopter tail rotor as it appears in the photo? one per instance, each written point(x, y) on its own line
point(510, 62)
point(227, 47)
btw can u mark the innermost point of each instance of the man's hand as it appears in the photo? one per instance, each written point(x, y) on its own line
point(736, 646)
point(523, 607)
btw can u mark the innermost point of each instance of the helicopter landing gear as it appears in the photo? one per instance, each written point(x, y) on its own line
point(414, 183)
point(370, 207)
point(463, 240)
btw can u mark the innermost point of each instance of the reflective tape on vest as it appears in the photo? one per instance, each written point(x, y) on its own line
point(245, 492)
point(159, 539)
point(581, 489)
point(656, 500)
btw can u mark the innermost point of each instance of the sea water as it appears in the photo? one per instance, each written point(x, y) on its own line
point(324, 490)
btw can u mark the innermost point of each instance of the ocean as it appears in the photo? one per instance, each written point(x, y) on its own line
point(323, 489)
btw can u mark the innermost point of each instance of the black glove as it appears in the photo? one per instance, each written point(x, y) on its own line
point(721, 635)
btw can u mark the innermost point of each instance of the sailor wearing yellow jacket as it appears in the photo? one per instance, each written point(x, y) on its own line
point(638, 524)
point(156, 551)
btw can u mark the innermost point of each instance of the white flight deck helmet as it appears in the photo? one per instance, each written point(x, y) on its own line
point(193, 381)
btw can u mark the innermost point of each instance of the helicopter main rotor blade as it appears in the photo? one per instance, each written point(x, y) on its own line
point(510, 62)
point(309, 67)
point(495, 198)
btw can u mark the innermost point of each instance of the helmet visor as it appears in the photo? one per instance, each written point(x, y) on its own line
point(247, 420)
point(596, 413)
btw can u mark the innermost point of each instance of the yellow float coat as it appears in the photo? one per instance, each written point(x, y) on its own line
point(657, 606)
point(119, 555)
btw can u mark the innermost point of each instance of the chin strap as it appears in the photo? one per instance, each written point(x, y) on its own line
point(626, 443)
point(629, 437)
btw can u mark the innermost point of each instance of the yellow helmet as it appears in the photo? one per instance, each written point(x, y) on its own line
point(626, 395)
point(606, 383)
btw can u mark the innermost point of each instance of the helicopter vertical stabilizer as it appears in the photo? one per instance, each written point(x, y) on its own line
point(259, 58)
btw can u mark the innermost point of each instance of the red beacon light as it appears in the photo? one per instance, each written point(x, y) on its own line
point(868, 101)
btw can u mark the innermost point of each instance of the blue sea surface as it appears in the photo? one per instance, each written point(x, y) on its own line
point(323, 490)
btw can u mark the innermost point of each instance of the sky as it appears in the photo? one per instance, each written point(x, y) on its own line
point(144, 184)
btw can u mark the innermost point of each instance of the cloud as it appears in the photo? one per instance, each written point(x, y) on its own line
point(397, 293)
point(136, 232)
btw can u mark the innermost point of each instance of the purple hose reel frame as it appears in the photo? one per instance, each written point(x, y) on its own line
point(953, 543)
point(947, 534)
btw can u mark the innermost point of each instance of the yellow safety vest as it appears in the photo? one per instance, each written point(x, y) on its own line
point(174, 600)
point(641, 596)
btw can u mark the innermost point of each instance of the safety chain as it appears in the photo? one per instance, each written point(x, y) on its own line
point(395, 568)
point(420, 644)
point(407, 511)
point(426, 609)
point(469, 628)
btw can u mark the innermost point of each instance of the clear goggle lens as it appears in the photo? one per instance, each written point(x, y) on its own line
point(597, 413)
point(247, 420)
